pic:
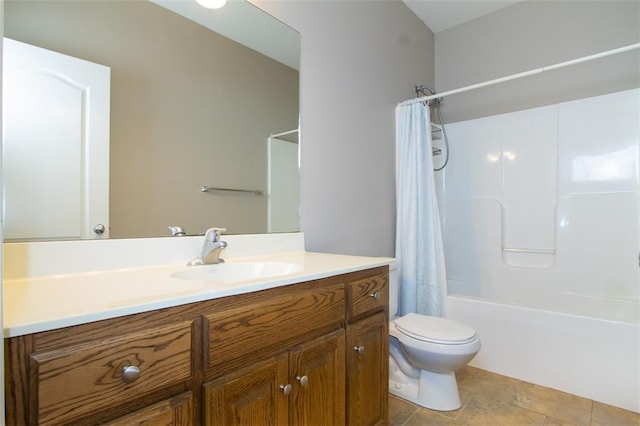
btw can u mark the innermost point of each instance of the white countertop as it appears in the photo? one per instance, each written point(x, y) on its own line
point(41, 303)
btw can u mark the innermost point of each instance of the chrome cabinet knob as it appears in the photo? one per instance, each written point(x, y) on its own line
point(304, 381)
point(286, 389)
point(99, 229)
point(130, 373)
point(375, 295)
point(359, 349)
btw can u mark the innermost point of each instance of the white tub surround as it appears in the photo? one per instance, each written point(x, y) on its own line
point(542, 240)
point(542, 204)
point(59, 284)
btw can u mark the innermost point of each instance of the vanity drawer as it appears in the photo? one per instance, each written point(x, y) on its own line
point(368, 294)
point(267, 326)
point(75, 381)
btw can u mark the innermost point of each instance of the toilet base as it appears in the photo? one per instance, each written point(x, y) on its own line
point(436, 391)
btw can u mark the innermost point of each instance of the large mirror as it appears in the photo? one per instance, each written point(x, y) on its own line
point(188, 107)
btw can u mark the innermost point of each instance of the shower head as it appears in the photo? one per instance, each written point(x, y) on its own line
point(424, 89)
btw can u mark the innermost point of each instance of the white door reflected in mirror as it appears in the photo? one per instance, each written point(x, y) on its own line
point(55, 146)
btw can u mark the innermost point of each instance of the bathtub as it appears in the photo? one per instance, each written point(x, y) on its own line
point(595, 357)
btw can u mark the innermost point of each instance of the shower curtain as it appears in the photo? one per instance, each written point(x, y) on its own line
point(419, 249)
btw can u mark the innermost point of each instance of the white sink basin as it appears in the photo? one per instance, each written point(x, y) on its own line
point(226, 273)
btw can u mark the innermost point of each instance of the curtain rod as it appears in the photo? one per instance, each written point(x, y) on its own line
point(524, 74)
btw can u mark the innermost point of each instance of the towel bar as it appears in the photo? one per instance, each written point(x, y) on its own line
point(206, 188)
point(528, 250)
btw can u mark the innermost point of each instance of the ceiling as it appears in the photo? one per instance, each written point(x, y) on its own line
point(440, 15)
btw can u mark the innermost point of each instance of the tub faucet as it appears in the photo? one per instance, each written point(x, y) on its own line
point(211, 249)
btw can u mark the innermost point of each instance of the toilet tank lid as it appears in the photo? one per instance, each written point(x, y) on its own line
point(435, 329)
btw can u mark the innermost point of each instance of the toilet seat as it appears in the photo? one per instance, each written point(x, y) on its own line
point(435, 329)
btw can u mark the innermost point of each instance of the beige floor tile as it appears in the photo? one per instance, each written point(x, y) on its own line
point(473, 381)
point(606, 415)
point(452, 414)
point(449, 414)
point(492, 399)
point(424, 417)
point(487, 411)
point(555, 404)
point(556, 422)
point(400, 410)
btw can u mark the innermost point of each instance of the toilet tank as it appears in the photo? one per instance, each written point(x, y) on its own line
point(393, 290)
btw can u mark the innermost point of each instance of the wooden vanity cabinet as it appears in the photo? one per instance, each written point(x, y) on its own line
point(283, 356)
point(177, 411)
point(367, 371)
point(304, 386)
point(293, 344)
point(368, 350)
point(91, 373)
point(250, 396)
point(321, 400)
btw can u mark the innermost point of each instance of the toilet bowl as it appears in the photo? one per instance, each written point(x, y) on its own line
point(424, 353)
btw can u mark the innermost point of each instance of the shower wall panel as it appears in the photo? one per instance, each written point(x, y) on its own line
point(529, 186)
point(545, 201)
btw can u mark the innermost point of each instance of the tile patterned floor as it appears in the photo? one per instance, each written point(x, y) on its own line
point(491, 399)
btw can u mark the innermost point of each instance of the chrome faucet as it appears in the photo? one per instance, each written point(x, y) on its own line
point(177, 231)
point(211, 249)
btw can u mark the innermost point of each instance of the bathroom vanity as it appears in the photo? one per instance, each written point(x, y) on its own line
point(304, 348)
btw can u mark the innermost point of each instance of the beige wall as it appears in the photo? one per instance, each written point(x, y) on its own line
point(189, 107)
point(533, 34)
point(359, 59)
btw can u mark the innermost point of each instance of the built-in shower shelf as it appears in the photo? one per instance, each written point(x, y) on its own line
point(537, 258)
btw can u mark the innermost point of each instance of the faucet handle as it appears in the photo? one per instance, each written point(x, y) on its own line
point(177, 231)
point(213, 234)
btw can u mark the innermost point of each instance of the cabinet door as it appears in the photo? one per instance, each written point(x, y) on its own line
point(251, 396)
point(316, 370)
point(176, 411)
point(368, 370)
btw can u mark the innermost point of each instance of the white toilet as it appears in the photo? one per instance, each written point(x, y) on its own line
point(424, 353)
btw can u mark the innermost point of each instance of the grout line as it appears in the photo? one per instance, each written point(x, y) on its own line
point(460, 410)
point(411, 415)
